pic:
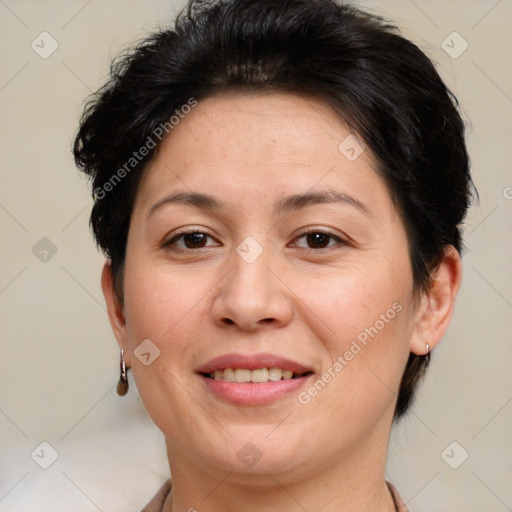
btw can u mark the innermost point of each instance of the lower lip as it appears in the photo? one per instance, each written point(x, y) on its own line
point(253, 393)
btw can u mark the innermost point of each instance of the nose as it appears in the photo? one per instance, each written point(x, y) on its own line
point(252, 296)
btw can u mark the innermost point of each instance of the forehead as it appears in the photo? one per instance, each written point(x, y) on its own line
point(258, 144)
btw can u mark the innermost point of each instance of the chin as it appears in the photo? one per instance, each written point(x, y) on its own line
point(259, 451)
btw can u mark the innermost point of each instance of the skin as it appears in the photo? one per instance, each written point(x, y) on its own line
point(302, 301)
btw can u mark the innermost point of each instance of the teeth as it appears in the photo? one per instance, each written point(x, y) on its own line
point(242, 375)
point(259, 375)
point(287, 374)
point(227, 374)
point(275, 373)
point(245, 375)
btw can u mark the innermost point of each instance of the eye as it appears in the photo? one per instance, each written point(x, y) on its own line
point(313, 239)
point(192, 239)
point(317, 239)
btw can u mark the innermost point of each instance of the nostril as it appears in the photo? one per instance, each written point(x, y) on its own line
point(228, 321)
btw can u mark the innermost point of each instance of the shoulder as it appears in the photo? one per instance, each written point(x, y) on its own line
point(157, 502)
point(400, 505)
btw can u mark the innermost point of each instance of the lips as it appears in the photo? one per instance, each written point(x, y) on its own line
point(252, 362)
point(246, 391)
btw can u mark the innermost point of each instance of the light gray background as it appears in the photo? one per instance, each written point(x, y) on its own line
point(59, 359)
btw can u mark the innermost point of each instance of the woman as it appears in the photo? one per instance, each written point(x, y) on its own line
point(279, 189)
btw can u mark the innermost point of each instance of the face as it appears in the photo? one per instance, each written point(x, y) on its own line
point(256, 242)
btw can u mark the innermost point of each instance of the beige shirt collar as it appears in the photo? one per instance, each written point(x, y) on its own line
point(162, 497)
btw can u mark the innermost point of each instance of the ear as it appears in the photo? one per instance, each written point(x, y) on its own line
point(436, 307)
point(115, 310)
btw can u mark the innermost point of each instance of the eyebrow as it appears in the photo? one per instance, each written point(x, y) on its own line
point(298, 201)
point(282, 206)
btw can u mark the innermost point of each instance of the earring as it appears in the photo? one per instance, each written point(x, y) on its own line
point(427, 355)
point(122, 385)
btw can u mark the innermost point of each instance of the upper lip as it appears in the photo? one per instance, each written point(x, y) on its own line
point(252, 362)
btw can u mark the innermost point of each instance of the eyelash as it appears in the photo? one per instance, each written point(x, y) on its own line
point(181, 234)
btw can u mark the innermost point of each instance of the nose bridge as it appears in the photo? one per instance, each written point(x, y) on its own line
point(250, 276)
point(251, 295)
point(250, 268)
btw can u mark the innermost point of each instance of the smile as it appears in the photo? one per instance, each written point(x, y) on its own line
point(253, 379)
point(258, 375)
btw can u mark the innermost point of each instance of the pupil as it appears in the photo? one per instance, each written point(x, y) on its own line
point(194, 239)
point(318, 239)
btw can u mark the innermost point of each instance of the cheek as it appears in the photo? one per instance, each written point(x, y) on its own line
point(167, 308)
point(160, 304)
point(352, 304)
point(363, 320)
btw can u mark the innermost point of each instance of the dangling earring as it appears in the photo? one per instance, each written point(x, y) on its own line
point(122, 385)
point(427, 355)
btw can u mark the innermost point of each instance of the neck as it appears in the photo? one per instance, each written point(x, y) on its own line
point(349, 482)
